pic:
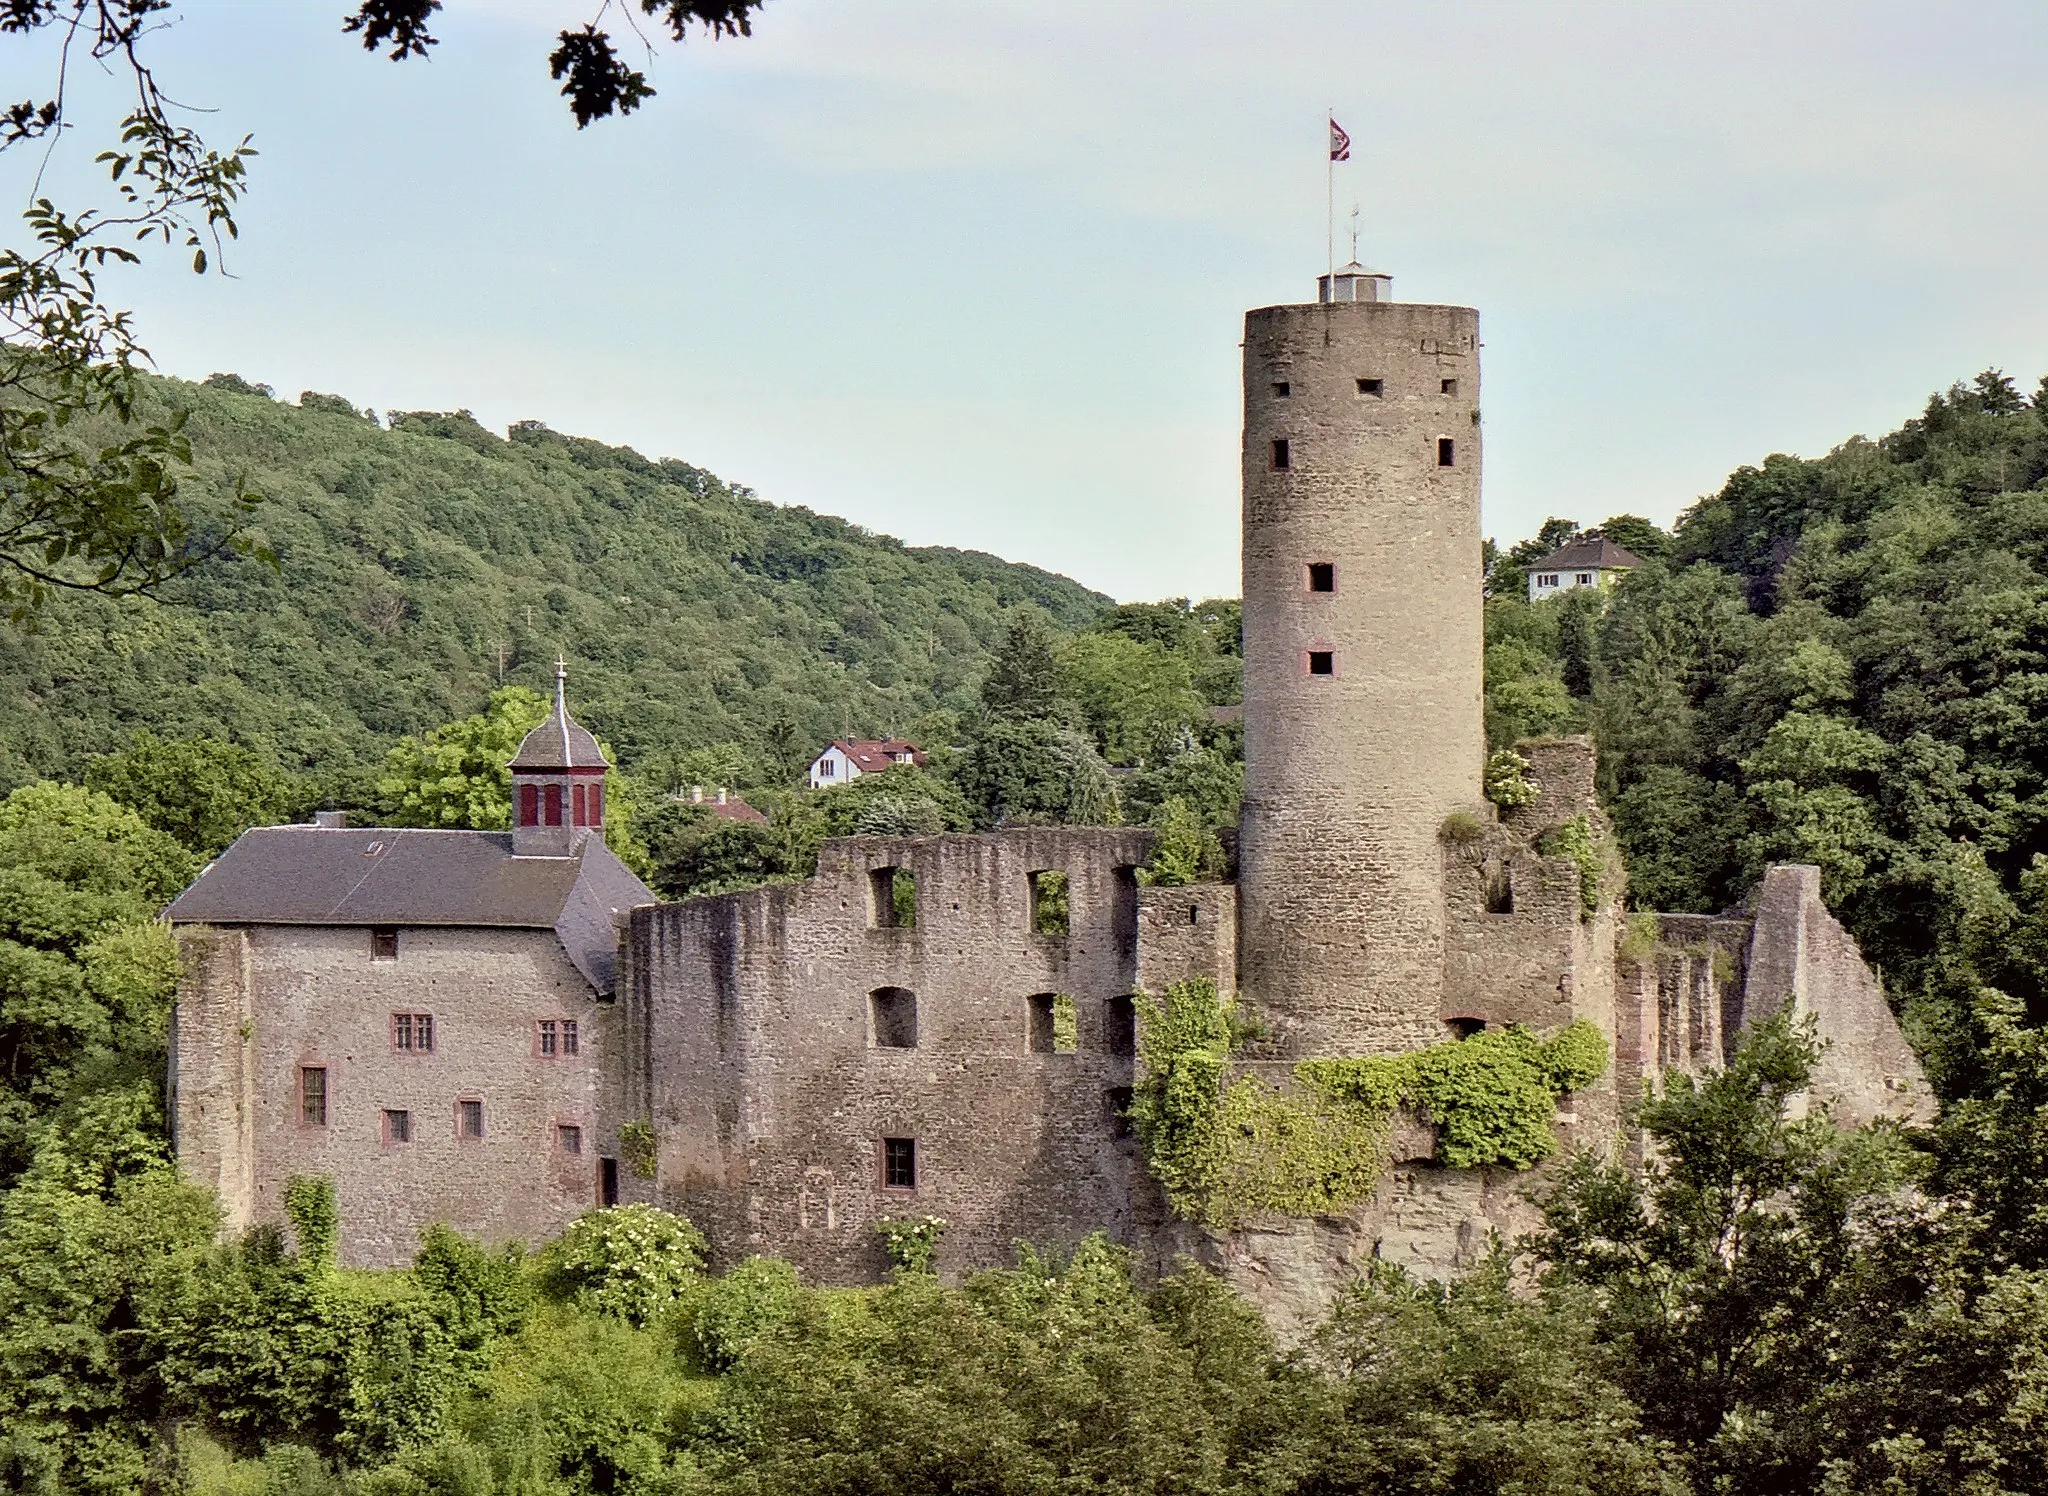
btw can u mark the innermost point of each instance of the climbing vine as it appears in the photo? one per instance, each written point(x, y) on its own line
point(1224, 1149)
point(1574, 839)
point(637, 1147)
point(912, 1242)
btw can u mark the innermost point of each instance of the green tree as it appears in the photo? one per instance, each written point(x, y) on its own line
point(1034, 772)
point(1138, 698)
point(202, 791)
point(1026, 678)
point(86, 979)
point(457, 774)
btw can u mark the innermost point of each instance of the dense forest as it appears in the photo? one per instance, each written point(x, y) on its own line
point(417, 567)
point(1838, 660)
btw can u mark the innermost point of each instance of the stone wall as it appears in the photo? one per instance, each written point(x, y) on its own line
point(772, 1091)
point(1349, 775)
point(261, 1002)
point(1800, 956)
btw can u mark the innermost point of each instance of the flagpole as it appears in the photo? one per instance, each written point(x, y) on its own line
point(1330, 205)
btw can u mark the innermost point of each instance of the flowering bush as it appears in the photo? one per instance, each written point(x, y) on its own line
point(631, 1261)
point(912, 1242)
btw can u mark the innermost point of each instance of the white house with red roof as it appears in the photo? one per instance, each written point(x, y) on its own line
point(846, 759)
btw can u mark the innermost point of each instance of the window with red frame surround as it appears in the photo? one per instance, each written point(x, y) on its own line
point(529, 805)
point(577, 813)
point(597, 805)
point(469, 1119)
point(412, 1033)
point(313, 1095)
point(899, 1163)
point(554, 804)
point(556, 1038)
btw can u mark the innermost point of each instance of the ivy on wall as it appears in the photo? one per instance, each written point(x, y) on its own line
point(1226, 1149)
point(1574, 839)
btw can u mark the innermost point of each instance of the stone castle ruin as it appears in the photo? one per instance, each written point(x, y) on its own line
point(501, 1030)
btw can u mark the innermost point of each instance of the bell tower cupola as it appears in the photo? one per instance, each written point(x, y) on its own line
point(557, 783)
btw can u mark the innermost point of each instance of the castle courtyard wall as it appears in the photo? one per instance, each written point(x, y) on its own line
point(771, 1094)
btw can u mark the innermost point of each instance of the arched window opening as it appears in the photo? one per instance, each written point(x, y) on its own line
point(892, 1018)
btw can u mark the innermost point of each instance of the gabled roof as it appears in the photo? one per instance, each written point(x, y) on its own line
point(733, 808)
point(872, 755)
point(1588, 552)
point(318, 875)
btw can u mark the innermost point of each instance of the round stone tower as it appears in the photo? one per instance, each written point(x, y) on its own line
point(1364, 722)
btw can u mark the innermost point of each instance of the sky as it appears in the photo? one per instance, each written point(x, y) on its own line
point(974, 274)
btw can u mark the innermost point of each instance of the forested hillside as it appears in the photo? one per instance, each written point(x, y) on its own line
point(1840, 660)
point(419, 567)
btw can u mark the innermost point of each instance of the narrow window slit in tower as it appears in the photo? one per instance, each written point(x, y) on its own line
point(1449, 386)
point(1377, 388)
point(1446, 452)
point(1322, 576)
point(1322, 662)
point(1282, 458)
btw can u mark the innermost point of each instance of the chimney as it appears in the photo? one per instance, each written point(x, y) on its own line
point(696, 794)
point(721, 797)
point(331, 820)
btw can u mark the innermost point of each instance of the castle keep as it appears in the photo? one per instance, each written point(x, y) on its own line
point(503, 1030)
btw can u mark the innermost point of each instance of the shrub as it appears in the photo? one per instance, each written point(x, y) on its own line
point(912, 1242)
point(1462, 827)
point(629, 1261)
point(731, 1312)
point(1507, 779)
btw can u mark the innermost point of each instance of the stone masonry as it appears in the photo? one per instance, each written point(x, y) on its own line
point(946, 1026)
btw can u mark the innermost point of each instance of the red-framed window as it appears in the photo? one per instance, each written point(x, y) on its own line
point(554, 805)
point(556, 1038)
point(529, 805)
point(412, 1033)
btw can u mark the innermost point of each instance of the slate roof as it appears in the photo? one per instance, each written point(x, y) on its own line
point(318, 875)
point(1588, 552)
point(872, 755)
point(561, 742)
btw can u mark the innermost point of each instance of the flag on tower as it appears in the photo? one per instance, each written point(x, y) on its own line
point(1340, 143)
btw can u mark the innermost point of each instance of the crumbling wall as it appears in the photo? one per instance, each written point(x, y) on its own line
point(772, 1091)
point(212, 1070)
point(1799, 955)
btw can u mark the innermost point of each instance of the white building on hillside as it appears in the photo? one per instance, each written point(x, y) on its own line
point(846, 759)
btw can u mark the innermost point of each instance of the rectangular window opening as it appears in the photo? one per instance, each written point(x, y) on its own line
point(1322, 662)
point(529, 805)
point(469, 1119)
point(1052, 1023)
point(397, 1127)
point(1283, 457)
point(1051, 910)
point(1322, 576)
point(569, 1138)
point(548, 1038)
point(412, 1033)
point(607, 1182)
point(1450, 386)
point(892, 898)
point(1120, 1026)
point(313, 1095)
point(1282, 389)
point(554, 804)
point(1446, 452)
point(1377, 388)
point(899, 1163)
point(383, 945)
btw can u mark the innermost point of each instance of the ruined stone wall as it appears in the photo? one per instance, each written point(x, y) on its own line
point(312, 996)
point(772, 1093)
point(1799, 955)
point(212, 1099)
point(1348, 775)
